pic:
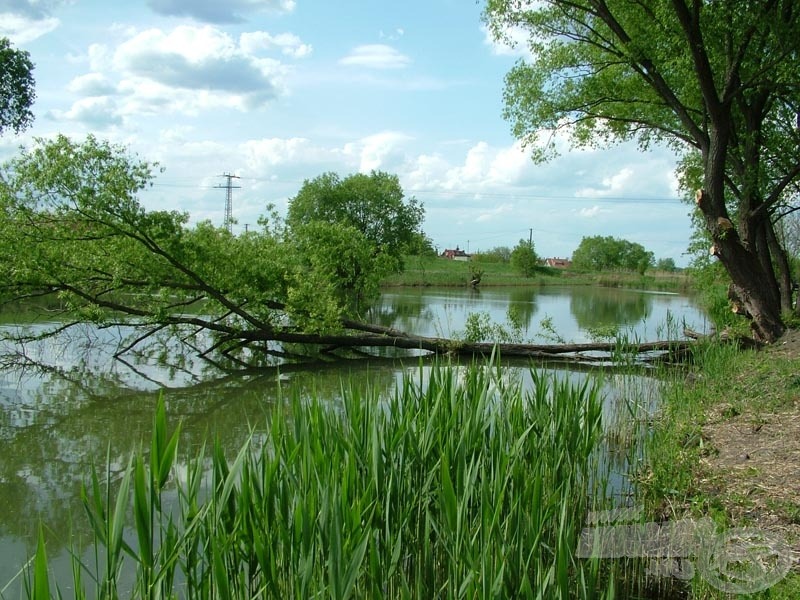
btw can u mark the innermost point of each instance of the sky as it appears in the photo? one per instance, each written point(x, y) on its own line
point(278, 92)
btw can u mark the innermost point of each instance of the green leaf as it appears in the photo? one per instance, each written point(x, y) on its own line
point(41, 578)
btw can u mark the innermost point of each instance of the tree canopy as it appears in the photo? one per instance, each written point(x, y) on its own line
point(716, 81)
point(373, 204)
point(666, 264)
point(523, 258)
point(17, 91)
point(598, 253)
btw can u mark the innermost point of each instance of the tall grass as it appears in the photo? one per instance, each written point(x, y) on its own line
point(462, 487)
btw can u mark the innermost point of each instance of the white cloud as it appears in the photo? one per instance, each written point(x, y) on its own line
point(392, 36)
point(485, 166)
point(590, 212)
point(375, 56)
point(510, 164)
point(21, 29)
point(614, 185)
point(92, 84)
point(95, 112)
point(184, 70)
point(269, 152)
point(426, 172)
point(100, 57)
point(288, 43)
point(379, 151)
point(204, 59)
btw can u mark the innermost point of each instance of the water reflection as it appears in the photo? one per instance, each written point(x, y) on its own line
point(523, 302)
point(53, 434)
point(573, 311)
point(82, 406)
point(403, 312)
point(606, 306)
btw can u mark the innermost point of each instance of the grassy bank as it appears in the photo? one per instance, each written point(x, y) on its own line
point(465, 487)
point(440, 272)
point(727, 446)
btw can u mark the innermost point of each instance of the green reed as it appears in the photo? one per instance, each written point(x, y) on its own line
point(464, 487)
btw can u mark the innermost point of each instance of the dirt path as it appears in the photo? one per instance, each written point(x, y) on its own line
point(753, 458)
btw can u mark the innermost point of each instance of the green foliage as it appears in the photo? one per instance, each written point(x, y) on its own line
point(465, 486)
point(73, 228)
point(666, 264)
point(627, 71)
point(17, 91)
point(523, 258)
point(40, 590)
point(548, 331)
point(603, 332)
point(710, 281)
point(479, 327)
point(715, 81)
point(336, 269)
point(598, 253)
point(373, 204)
point(499, 254)
point(421, 245)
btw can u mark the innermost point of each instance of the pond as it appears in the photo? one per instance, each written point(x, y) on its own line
point(78, 407)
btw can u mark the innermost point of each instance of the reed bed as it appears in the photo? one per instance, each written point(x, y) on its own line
point(460, 485)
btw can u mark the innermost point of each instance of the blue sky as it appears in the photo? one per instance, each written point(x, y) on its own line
point(280, 91)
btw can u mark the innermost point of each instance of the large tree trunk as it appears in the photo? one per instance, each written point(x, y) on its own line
point(753, 291)
point(782, 263)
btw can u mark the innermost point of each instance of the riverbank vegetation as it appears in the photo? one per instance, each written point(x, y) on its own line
point(460, 485)
point(436, 271)
point(725, 446)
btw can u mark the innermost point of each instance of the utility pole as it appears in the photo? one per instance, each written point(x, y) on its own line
point(530, 237)
point(229, 187)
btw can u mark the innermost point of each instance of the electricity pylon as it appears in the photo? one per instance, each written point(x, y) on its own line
point(229, 187)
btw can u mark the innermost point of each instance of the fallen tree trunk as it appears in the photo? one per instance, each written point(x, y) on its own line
point(375, 336)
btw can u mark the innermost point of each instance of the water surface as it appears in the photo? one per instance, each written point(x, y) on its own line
point(75, 406)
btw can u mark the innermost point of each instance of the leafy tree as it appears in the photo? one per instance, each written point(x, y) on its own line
point(420, 245)
point(666, 264)
point(373, 204)
point(337, 271)
point(717, 81)
point(524, 259)
point(16, 88)
point(72, 229)
point(598, 253)
point(499, 254)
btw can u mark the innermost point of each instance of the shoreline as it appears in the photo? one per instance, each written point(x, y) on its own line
point(438, 272)
point(727, 446)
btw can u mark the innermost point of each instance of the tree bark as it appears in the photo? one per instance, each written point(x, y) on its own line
point(559, 352)
point(782, 263)
point(751, 286)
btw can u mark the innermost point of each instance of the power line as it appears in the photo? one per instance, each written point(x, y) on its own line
point(476, 194)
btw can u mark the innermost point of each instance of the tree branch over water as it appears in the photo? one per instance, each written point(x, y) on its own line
point(74, 237)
